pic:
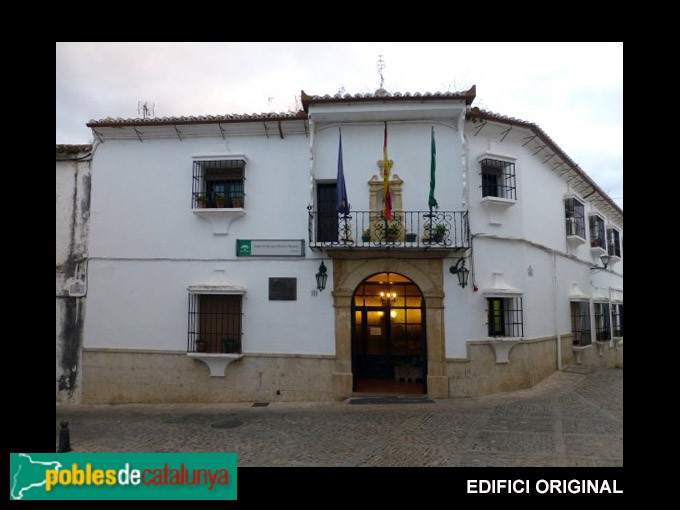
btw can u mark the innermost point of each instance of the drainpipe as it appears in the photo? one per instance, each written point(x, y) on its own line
point(463, 158)
point(311, 161)
point(557, 330)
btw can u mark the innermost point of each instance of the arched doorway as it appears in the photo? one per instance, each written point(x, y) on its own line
point(389, 342)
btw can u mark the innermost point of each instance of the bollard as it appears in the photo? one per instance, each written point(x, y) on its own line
point(64, 438)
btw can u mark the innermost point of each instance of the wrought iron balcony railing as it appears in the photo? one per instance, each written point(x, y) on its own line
point(406, 229)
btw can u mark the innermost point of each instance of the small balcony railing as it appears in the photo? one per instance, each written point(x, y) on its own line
point(217, 200)
point(406, 229)
point(214, 343)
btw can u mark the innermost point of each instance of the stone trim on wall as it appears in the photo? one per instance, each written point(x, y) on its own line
point(427, 274)
point(116, 377)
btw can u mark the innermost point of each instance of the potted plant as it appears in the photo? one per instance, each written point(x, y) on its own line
point(219, 200)
point(411, 237)
point(230, 344)
point(366, 236)
point(410, 369)
point(200, 345)
point(401, 370)
point(417, 368)
point(237, 200)
point(201, 200)
point(439, 233)
point(391, 233)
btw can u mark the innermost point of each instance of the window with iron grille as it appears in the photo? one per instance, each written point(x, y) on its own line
point(575, 217)
point(580, 323)
point(602, 322)
point(215, 323)
point(504, 316)
point(218, 184)
point(613, 242)
point(498, 179)
point(617, 319)
point(597, 239)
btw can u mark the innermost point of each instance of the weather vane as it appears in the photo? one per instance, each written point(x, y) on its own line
point(381, 66)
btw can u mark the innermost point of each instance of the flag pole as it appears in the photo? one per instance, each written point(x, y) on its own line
point(341, 197)
point(432, 202)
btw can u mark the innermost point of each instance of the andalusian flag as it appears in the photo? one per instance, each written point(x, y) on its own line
point(387, 200)
point(432, 202)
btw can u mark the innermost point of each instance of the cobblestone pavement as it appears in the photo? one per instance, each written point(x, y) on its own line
point(569, 419)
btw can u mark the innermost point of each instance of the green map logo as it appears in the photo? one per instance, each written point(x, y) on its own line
point(121, 476)
point(243, 248)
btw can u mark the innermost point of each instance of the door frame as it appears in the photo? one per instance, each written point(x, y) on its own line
point(426, 270)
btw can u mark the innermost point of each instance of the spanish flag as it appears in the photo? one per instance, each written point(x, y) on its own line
point(387, 200)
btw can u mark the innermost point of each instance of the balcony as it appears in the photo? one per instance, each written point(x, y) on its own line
point(215, 350)
point(406, 230)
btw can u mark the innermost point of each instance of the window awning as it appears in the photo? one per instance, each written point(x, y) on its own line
point(576, 294)
point(500, 287)
point(217, 284)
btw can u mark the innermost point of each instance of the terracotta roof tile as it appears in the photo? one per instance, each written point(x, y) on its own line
point(379, 95)
point(201, 119)
point(383, 95)
point(73, 149)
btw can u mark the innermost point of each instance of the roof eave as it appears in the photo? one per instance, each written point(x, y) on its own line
point(467, 95)
point(476, 113)
point(179, 121)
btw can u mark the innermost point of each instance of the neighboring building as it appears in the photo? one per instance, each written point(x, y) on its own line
point(208, 236)
point(73, 216)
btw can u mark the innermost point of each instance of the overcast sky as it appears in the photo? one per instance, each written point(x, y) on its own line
point(574, 91)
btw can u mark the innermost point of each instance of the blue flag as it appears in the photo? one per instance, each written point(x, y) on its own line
point(343, 202)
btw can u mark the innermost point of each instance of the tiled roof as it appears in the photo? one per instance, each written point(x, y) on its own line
point(73, 149)
point(382, 95)
point(478, 114)
point(201, 119)
point(379, 95)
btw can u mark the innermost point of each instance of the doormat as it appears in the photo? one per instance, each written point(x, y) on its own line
point(389, 400)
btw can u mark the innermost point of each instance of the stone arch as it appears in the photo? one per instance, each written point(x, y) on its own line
point(418, 275)
point(426, 271)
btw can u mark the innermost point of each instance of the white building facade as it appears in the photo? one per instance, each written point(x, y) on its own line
point(209, 237)
point(73, 173)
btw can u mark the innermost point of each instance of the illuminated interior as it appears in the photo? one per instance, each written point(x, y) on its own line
point(388, 329)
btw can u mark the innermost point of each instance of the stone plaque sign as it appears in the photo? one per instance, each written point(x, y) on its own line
point(282, 289)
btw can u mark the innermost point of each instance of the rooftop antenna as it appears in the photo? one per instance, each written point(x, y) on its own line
point(381, 66)
point(145, 109)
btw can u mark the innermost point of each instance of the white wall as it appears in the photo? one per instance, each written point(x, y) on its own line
point(532, 230)
point(144, 305)
point(72, 221)
point(141, 196)
point(409, 147)
point(148, 246)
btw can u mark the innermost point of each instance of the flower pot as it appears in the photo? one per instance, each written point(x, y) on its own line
point(200, 345)
point(411, 238)
point(219, 203)
point(366, 238)
point(237, 202)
